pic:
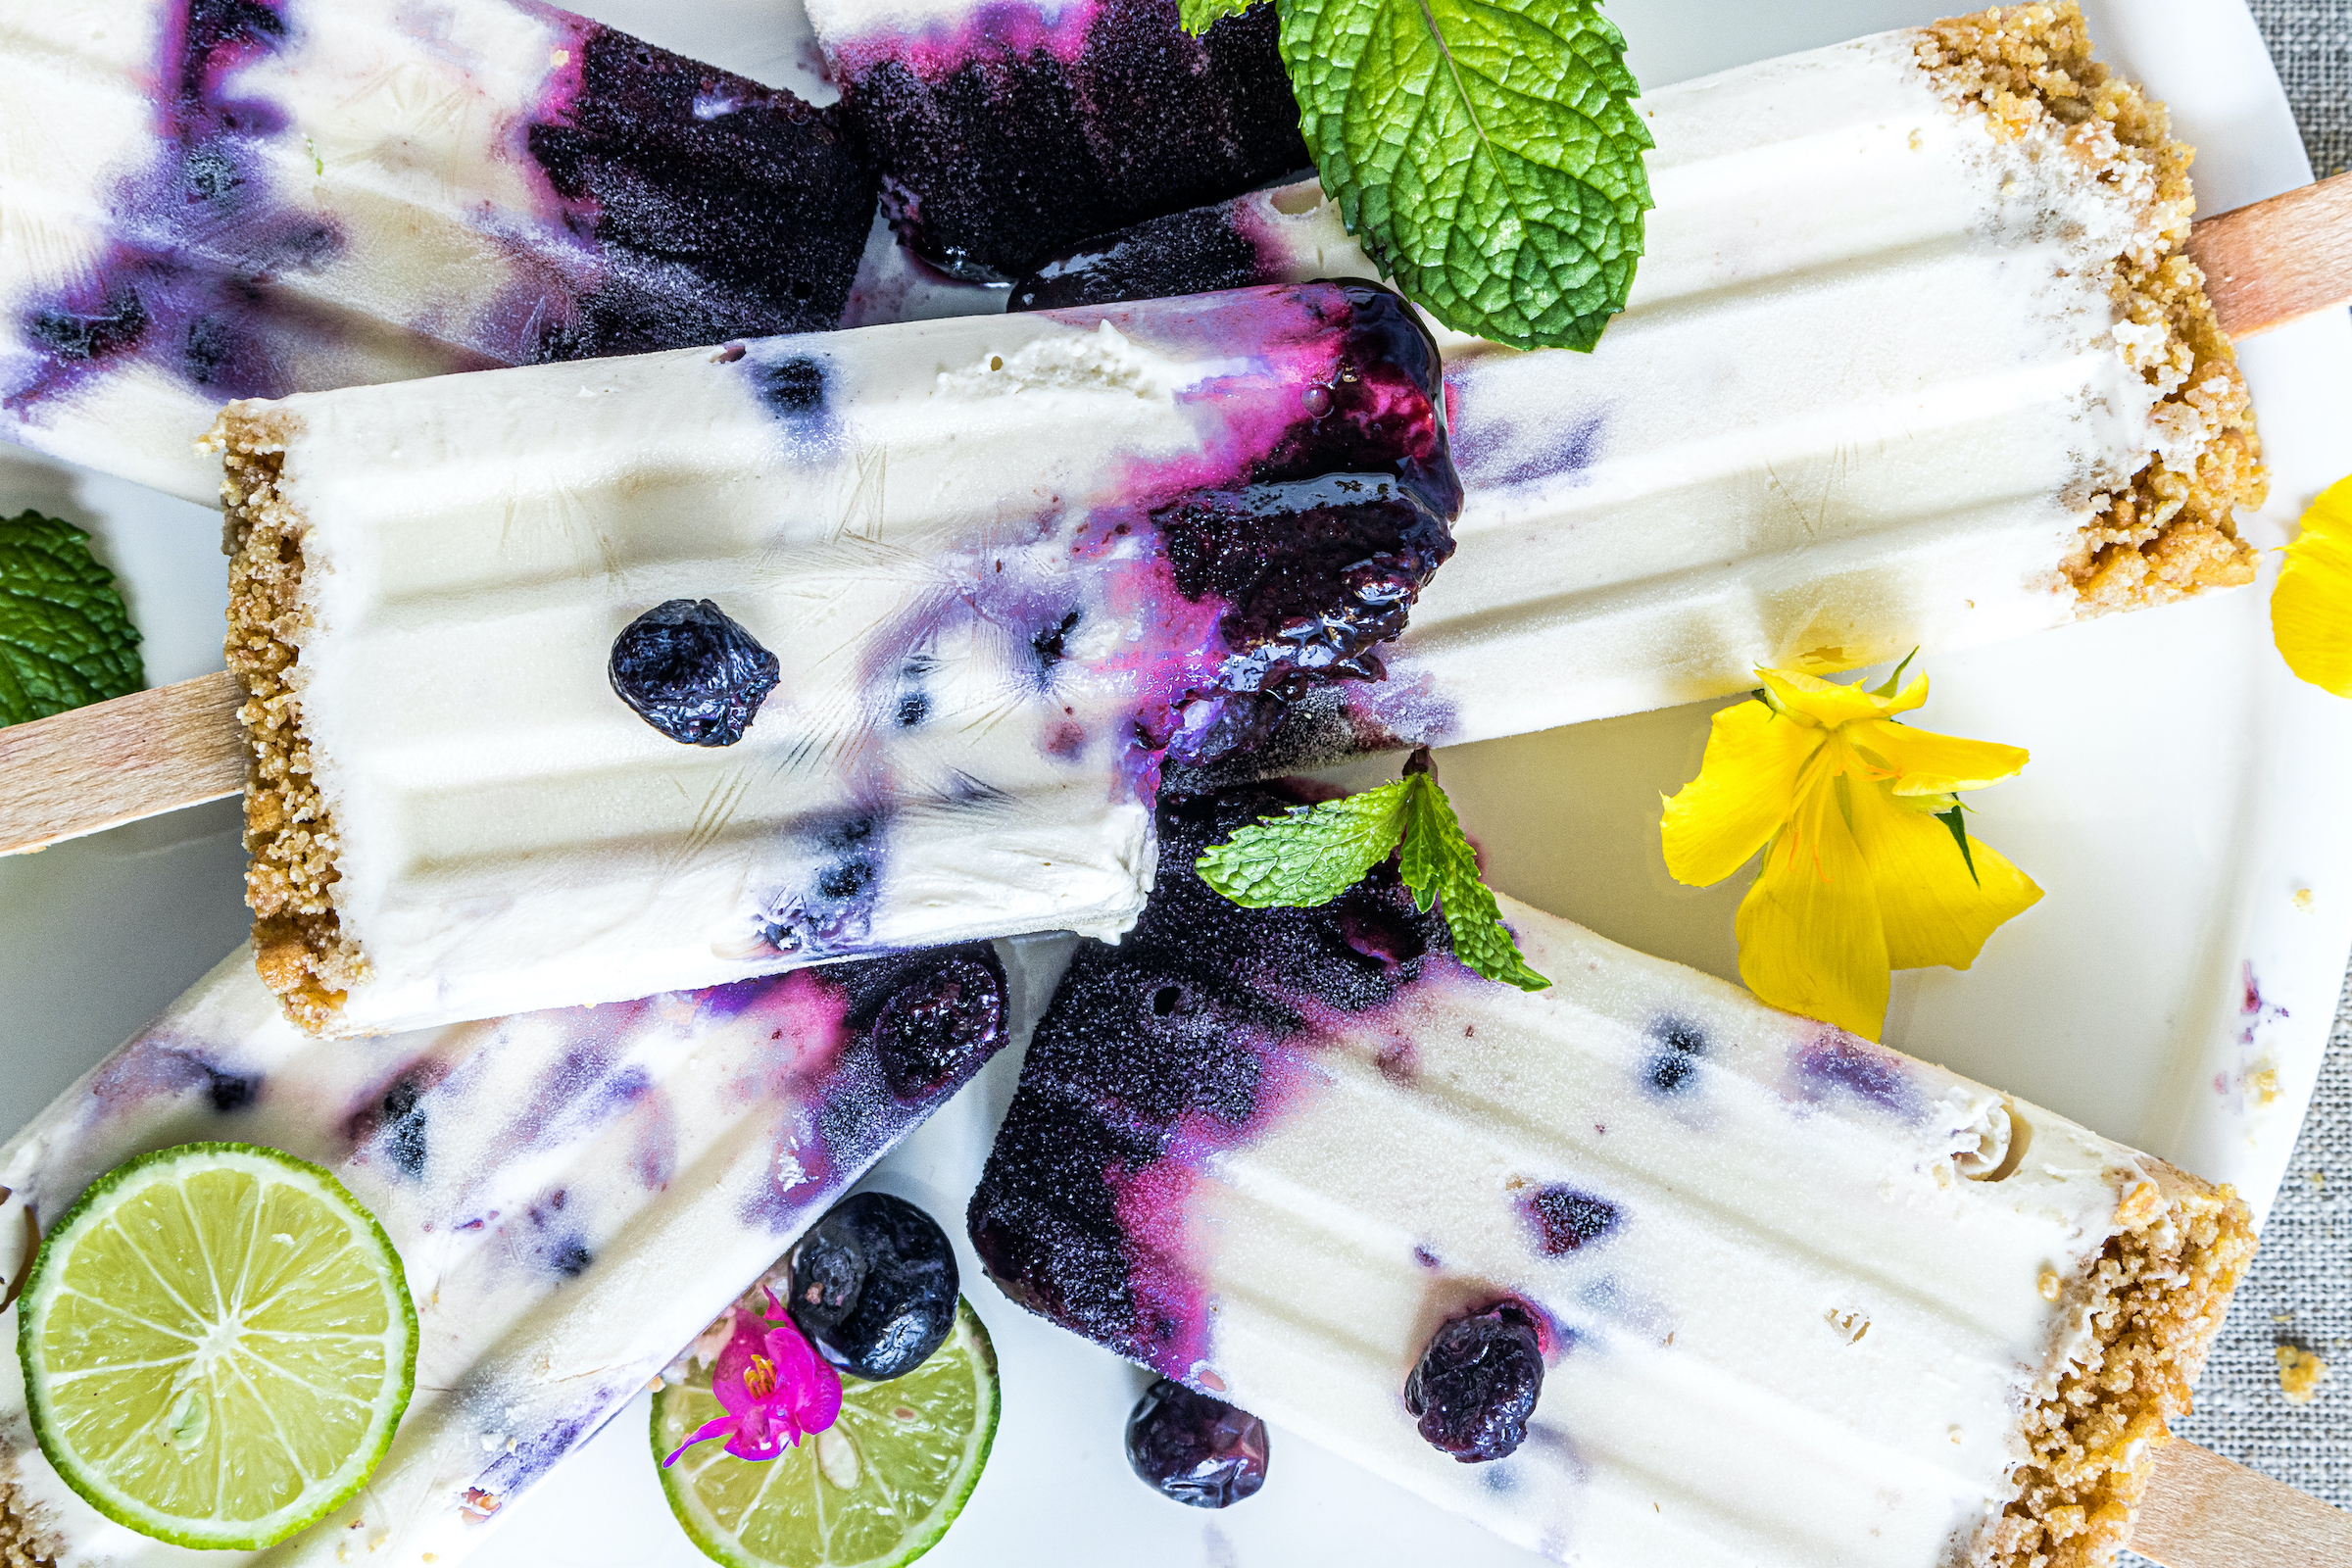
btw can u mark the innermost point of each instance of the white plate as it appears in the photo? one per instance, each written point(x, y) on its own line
point(2183, 811)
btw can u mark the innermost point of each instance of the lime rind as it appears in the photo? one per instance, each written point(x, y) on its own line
point(44, 1288)
point(680, 1408)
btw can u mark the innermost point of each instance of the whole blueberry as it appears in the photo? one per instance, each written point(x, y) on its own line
point(936, 1025)
point(1194, 1449)
point(1476, 1384)
point(873, 1285)
point(691, 672)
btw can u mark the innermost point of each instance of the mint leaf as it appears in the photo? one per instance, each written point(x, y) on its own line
point(1440, 868)
point(65, 638)
point(1486, 152)
point(1310, 854)
point(1196, 17)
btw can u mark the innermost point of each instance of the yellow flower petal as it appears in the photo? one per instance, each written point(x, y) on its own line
point(2311, 609)
point(1929, 763)
point(1827, 702)
point(1745, 789)
point(1930, 910)
point(1810, 937)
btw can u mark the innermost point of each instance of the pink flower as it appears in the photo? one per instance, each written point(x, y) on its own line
point(775, 1390)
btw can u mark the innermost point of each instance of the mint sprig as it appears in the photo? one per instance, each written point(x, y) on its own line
point(1486, 152)
point(1310, 855)
point(1196, 16)
point(66, 639)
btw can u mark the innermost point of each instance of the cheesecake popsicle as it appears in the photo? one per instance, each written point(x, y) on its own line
point(1009, 130)
point(574, 1194)
point(1785, 1296)
point(1914, 359)
point(983, 575)
point(213, 201)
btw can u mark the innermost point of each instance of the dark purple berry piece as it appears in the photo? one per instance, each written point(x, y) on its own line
point(1476, 1384)
point(873, 1285)
point(1194, 1449)
point(936, 1025)
point(691, 672)
point(1565, 1219)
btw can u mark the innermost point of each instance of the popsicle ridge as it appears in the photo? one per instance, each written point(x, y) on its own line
point(2170, 533)
point(290, 841)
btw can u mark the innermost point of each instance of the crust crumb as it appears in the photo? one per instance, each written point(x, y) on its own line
point(2172, 531)
point(290, 841)
point(2155, 1298)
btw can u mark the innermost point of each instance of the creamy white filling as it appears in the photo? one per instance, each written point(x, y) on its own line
point(511, 836)
point(1808, 1338)
point(1868, 383)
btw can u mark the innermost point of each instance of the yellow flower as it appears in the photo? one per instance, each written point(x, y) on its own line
point(1866, 867)
point(2311, 609)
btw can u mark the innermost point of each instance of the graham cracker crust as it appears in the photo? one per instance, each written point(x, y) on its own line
point(23, 1544)
point(2156, 1297)
point(2171, 534)
point(290, 841)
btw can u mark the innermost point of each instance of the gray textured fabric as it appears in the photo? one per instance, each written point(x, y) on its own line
point(2299, 1291)
point(2312, 42)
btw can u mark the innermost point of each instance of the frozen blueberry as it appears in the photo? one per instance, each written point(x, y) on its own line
point(1194, 1449)
point(691, 672)
point(936, 1025)
point(1476, 1384)
point(873, 1287)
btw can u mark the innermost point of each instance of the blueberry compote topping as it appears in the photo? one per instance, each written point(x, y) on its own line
point(873, 1285)
point(724, 209)
point(691, 672)
point(1476, 1384)
point(1320, 554)
point(938, 1026)
point(1194, 1449)
point(1195, 252)
point(1187, 1030)
point(1000, 147)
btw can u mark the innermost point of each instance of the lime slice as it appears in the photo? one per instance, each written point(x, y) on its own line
point(218, 1342)
point(877, 1488)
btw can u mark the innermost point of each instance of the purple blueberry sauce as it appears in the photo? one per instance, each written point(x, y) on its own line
point(1011, 137)
point(1182, 1038)
point(1563, 1219)
point(1836, 1063)
point(680, 205)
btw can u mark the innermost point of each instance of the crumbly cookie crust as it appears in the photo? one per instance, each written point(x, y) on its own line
point(2156, 1298)
point(2172, 531)
point(23, 1543)
point(290, 841)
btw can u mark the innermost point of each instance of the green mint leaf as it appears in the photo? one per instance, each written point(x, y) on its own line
point(65, 638)
point(1196, 17)
point(1440, 868)
point(1486, 152)
point(1310, 854)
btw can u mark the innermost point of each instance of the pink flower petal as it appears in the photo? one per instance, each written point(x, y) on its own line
point(717, 1427)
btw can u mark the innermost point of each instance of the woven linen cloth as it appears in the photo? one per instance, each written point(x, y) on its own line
point(2299, 1291)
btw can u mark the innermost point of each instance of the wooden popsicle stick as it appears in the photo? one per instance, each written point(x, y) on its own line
point(2204, 1511)
point(2278, 260)
point(150, 753)
point(117, 761)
